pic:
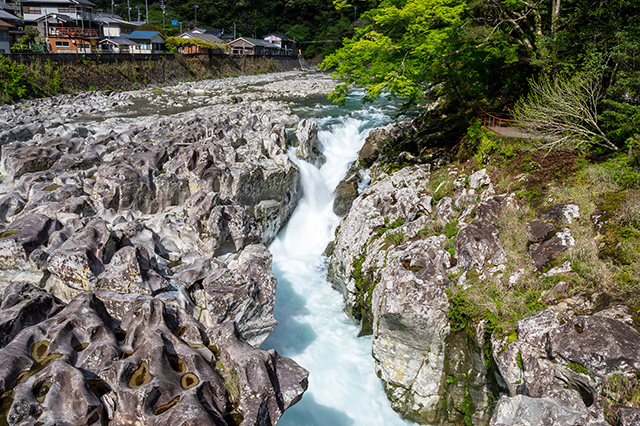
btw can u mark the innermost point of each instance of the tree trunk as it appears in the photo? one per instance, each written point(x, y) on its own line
point(555, 17)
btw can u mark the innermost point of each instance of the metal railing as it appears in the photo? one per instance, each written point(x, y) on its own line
point(498, 124)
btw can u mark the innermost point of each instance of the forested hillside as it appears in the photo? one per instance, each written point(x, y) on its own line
point(304, 20)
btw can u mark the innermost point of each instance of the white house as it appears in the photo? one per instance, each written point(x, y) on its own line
point(147, 42)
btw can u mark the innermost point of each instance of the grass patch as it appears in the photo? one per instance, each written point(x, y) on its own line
point(620, 391)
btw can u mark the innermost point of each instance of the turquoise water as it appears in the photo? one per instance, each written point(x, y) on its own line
point(313, 328)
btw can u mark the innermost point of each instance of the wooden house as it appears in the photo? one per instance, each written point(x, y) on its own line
point(253, 46)
point(117, 45)
point(200, 35)
point(65, 36)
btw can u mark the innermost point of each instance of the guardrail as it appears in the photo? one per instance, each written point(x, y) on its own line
point(498, 124)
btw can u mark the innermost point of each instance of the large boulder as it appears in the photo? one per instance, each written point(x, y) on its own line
point(556, 366)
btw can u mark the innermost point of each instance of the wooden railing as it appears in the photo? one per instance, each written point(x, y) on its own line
point(72, 32)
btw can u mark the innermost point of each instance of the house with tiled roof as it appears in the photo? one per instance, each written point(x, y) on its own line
point(15, 30)
point(199, 34)
point(113, 25)
point(253, 46)
point(286, 44)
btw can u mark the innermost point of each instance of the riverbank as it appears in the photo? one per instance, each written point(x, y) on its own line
point(34, 76)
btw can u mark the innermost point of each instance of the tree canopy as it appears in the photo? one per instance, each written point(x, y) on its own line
point(485, 53)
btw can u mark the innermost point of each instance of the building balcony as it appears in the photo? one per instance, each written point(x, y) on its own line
point(72, 32)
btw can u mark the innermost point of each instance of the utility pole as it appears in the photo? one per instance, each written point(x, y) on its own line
point(138, 7)
point(180, 27)
point(162, 7)
point(129, 10)
point(195, 6)
point(146, 6)
point(234, 30)
point(112, 2)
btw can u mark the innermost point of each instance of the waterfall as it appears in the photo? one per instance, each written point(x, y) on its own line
point(313, 328)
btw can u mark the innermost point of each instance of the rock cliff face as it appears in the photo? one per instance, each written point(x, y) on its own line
point(394, 271)
point(133, 257)
point(420, 237)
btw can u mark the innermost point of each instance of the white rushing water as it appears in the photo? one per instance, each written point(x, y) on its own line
point(313, 328)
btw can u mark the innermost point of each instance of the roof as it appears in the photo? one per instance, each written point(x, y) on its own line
point(83, 2)
point(7, 16)
point(108, 19)
point(120, 41)
point(143, 35)
point(56, 16)
point(5, 24)
point(284, 37)
point(206, 37)
point(257, 42)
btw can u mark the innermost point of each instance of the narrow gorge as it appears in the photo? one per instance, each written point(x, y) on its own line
point(243, 252)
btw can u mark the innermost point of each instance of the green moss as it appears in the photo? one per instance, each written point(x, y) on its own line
point(7, 234)
point(519, 361)
point(578, 368)
point(388, 225)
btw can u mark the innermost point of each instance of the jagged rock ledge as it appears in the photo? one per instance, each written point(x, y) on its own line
point(152, 227)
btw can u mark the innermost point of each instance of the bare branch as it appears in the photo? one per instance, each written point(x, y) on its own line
point(565, 110)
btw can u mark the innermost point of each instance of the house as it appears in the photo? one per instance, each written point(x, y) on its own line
point(5, 45)
point(67, 25)
point(17, 26)
point(65, 36)
point(285, 43)
point(113, 25)
point(117, 45)
point(199, 34)
point(253, 46)
point(147, 42)
point(79, 11)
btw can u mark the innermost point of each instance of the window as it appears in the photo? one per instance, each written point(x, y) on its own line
point(84, 46)
point(62, 44)
point(66, 9)
point(31, 9)
point(157, 46)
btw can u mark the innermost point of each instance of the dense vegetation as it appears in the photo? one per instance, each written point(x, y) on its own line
point(304, 20)
point(485, 53)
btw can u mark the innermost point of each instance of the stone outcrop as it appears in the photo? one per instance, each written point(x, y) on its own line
point(76, 364)
point(153, 225)
point(307, 135)
point(556, 368)
point(391, 262)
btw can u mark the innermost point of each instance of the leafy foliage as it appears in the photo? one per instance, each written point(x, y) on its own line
point(173, 43)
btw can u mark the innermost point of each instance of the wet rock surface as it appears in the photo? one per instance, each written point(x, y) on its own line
point(147, 212)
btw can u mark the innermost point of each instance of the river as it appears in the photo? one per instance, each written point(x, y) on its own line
point(313, 328)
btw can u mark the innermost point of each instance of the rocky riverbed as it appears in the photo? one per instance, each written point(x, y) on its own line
point(136, 281)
